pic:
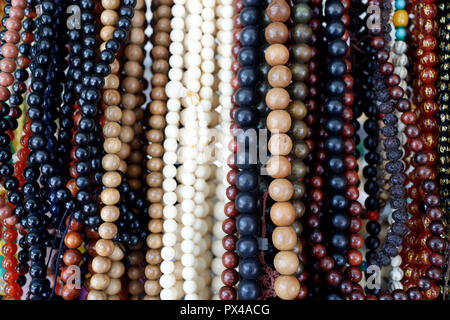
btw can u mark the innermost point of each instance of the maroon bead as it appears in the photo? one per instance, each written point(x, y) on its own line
point(230, 277)
point(232, 192)
point(230, 210)
point(385, 296)
point(377, 42)
point(403, 105)
point(229, 242)
point(354, 274)
point(326, 263)
point(333, 277)
point(396, 92)
point(227, 293)
point(345, 287)
point(229, 226)
point(424, 283)
point(434, 273)
point(437, 259)
point(356, 295)
point(382, 55)
point(414, 294)
point(399, 295)
point(387, 68)
point(435, 243)
point(230, 259)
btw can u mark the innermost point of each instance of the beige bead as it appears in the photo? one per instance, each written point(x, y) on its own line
point(111, 179)
point(280, 144)
point(115, 66)
point(114, 287)
point(112, 145)
point(111, 4)
point(123, 166)
point(113, 113)
point(117, 254)
point(107, 230)
point(110, 162)
point(104, 247)
point(286, 262)
point(152, 287)
point(114, 297)
point(154, 241)
point(109, 17)
point(106, 33)
point(110, 213)
point(101, 264)
point(99, 281)
point(110, 196)
point(278, 167)
point(117, 270)
point(111, 129)
point(287, 287)
point(152, 272)
point(96, 295)
point(112, 82)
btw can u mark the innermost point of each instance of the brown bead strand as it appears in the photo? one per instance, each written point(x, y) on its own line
point(10, 49)
point(132, 98)
point(281, 190)
point(105, 283)
point(155, 136)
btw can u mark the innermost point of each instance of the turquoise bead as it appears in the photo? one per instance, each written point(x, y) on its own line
point(400, 4)
point(400, 33)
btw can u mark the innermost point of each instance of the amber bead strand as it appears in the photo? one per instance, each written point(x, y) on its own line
point(281, 190)
point(426, 173)
point(155, 135)
point(104, 282)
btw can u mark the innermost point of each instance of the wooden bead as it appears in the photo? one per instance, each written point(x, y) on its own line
point(117, 270)
point(104, 247)
point(101, 264)
point(109, 213)
point(110, 196)
point(107, 230)
point(99, 281)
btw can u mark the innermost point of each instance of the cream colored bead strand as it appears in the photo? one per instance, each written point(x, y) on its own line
point(171, 281)
point(224, 25)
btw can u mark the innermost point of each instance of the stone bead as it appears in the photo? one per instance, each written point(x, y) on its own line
point(277, 54)
point(286, 262)
point(279, 76)
point(284, 238)
point(277, 98)
point(278, 167)
point(278, 121)
point(287, 287)
point(276, 32)
point(278, 11)
point(282, 213)
point(281, 190)
point(280, 144)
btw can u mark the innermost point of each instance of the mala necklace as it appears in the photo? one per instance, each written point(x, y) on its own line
point(246, 178)
point(225, 26)
point(230, 277)
point(443, 85)
point(301, 53)
point(281, 190)
point(155, 135)
point(171, 290)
